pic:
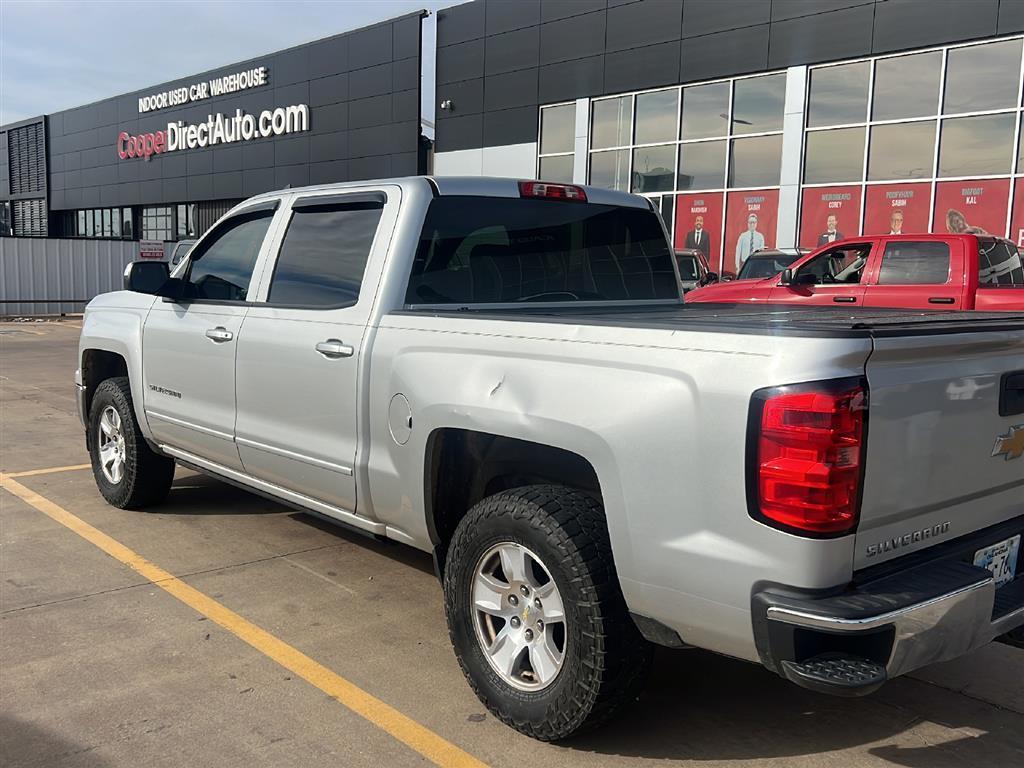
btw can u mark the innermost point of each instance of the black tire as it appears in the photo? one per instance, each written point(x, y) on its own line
point(606, 658)
point(147, 475)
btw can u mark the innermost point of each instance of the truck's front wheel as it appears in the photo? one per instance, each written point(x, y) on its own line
point(535, 612)
point(128, 473)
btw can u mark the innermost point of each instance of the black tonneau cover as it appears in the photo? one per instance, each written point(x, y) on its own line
point(760, 319)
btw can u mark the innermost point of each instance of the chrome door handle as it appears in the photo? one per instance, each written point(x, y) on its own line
point(334, 348)
point(844, 299)
point(219, 334)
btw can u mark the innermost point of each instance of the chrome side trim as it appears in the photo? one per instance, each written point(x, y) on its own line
point(292, 455)
point(298, 499)
point(188, 425)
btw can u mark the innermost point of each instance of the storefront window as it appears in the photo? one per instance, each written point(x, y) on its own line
point(755, 161)
point(557, 128)
point(702, 165)
point(833, 156)
point(980, 77)
point(758, 104)
point(656, 116)
point(556, 168)
point(838, 95)
point(705, 111)
point(976, 146)
point(612, 122)
point(610, 169)
point(907, 86)
point(156, 223)
point(126, 222)
point(80, 231)
point(901, 151)
point(654, 168)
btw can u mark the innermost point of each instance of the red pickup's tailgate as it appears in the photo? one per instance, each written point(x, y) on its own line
point(934, 424)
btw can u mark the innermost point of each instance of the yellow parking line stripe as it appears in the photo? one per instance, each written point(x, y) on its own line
point(384, 716)
point(48, 470)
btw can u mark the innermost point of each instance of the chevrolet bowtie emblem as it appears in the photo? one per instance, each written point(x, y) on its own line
point(1010, 445)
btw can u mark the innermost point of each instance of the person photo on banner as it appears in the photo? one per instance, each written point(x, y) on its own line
point(831, 233)
point(956, 224)
point(748, 242)
point(896, 223)
point(698, 238)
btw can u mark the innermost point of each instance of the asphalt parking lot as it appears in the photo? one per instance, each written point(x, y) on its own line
point(224, 629)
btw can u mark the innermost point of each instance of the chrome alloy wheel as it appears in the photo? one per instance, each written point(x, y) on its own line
point(111, 443)
point(518, 616)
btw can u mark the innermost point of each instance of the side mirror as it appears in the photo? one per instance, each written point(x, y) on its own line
point(786, 278)
point(146, 276)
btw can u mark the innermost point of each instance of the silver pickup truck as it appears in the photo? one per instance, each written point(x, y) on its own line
point(502, 374)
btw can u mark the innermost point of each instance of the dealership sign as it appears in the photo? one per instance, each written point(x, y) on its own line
point(218, 129)
point(218, 86)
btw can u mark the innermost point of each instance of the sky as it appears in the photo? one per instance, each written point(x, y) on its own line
point(57, 55)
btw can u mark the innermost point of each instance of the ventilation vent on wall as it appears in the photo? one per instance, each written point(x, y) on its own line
point(26, 152)
point(29, 218)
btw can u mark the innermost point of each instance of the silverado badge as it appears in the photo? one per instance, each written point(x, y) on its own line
point(1010, 445)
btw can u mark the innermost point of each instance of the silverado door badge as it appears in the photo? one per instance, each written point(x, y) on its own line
point(1010, 445)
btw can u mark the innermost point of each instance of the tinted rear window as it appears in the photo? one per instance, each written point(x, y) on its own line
point(910, 263)
point(688, 269)
point(477, 250)
point(1000, 264)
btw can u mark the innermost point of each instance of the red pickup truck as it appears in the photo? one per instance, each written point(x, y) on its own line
point(907, 271)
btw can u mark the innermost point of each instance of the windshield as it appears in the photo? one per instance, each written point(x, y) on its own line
point(757, 267)
point(486, 250)
point(688, 268)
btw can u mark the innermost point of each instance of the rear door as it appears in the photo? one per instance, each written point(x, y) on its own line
point(917, 274)
point(830, 278)
point(941, 459)
point(302, 347)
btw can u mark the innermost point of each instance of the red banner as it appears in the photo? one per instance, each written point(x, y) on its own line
point(1017, 218)
point(971, 207)
point(750, 219)
point(699, 225)
point(897, 208)
point(828, 214)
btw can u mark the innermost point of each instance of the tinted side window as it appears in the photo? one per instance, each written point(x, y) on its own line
point(221, 268)
point(493, 249)
point(324, 254)
point(914, 264)
point(1000, 264)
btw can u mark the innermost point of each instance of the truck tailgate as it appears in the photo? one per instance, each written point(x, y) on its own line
point(933, 429)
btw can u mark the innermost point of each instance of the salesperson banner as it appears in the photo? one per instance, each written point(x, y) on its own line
point(750, 219)
point(972, 207)
point(699, 225)
point(1017, 218)
point(828, 214)
point(897, 208)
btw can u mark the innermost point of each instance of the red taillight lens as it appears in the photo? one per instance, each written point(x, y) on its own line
point(552, 191)
point(809, 451)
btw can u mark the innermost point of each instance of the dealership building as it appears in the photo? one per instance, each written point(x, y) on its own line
point(772, 122)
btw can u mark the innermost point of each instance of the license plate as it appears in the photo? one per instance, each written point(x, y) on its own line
point(1000, 559)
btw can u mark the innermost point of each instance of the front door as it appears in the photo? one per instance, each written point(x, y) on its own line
point(833, 278)
point(300, 353)
point(188, 361)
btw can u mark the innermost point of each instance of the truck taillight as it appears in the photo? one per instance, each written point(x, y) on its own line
point(806, 452)
point(552, 191)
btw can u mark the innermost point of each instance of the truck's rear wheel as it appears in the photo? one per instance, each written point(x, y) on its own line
point(129, 474)
point(535, 612)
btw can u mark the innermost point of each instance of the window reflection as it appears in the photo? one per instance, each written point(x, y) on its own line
point(654, 168)
point(702, 165)
point(612, 121)
point(656, 115)
point(758, 104)
point(907, 86)
point(838, 95)
point(834, 156)
point(976, 146)
point(705, 111)
point(982, 77)
point(557, 127)
point(755, 161)
point(556, 168)
point(610, 169)
point(902, 151)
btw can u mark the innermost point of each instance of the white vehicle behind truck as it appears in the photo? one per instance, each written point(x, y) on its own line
point(503, 374)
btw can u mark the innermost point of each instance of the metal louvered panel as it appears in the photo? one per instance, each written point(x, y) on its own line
point(207, 213)
point(26, 154)
point(29, 218)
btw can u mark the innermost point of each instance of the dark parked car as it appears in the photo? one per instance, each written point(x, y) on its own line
point(694, 271)
point(769, 262)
